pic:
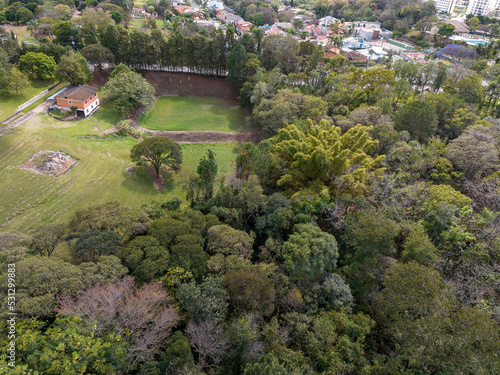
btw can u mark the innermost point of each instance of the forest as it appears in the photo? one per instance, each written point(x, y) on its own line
point(360, 236)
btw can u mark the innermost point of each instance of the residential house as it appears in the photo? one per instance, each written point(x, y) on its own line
point(184, 9)
point(243, 27)
point(327, 21)
point(270, 31)
point(213, 4)
point(207, 23)
point(355, 43)
point(84, 98)
point(369, 33)
point(138, 12)
point(283, 25)
point(353, 56)
point(332, 50)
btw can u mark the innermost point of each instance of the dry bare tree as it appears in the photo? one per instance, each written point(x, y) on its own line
point(142, 316)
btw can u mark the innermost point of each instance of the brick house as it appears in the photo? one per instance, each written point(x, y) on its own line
point(84, 98)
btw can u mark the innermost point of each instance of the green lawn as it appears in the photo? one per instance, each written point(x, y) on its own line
point(190, 114)
point(9, 103)
point(27, 198)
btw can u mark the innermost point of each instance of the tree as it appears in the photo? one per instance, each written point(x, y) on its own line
point(66, 34)
point(446, 30)
point(375, 79)
point(65, 347)
point(17, 81)
point(236, 64)
point(424, 24)
point(335, 294)
point(457, 52)
point(207, 339)
point(250, 291)
point(89, 246)
point(280, 51)
point(419, 312)
point(207, 171)
point(130, 92)
point(222, 239)
point(37, 65)
point(98, 55)
point(74, 69)
point(45, 238)
point(287, 106)
point(418, 118)
point(142, 316)
point(63, 11)
point(473, 23)
point(109, 216)
point(474, 152)
point(419, 248)
point(116, 16)
point(24, 15)
point(205, 301)
point(146, 258)
point(46, 280)
point(342, 162)
point(335, 342)
point(310, 253)
point(158, 151)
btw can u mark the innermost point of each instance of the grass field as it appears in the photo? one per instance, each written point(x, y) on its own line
point(187, 113)
point(27, 198)
point(9, 103)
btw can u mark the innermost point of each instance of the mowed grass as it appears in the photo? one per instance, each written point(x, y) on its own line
point(27, 198)
point(9, 103)
point(195, 114)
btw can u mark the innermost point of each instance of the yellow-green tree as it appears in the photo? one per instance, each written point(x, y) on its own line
point(317, 158)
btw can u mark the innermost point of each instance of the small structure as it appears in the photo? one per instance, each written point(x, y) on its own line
point(84, 98)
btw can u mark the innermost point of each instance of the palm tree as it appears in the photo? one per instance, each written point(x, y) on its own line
point(34, 25)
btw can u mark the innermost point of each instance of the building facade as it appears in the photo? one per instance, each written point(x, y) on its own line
point(83, 98)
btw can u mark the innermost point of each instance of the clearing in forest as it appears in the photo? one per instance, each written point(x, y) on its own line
point(27, 198)
point(196, 114)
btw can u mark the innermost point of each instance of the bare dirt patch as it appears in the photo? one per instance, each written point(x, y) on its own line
point(54, 163)
point(183, 84)
point(207, 136)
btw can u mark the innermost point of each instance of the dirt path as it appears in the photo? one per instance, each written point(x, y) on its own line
point(35, 111)
point(207, 136)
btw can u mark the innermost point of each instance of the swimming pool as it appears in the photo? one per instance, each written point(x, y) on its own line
point(476, 42)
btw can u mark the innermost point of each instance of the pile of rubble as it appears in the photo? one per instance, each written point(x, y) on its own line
point(53, 163)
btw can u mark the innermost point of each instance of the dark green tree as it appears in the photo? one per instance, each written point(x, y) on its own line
point(207, 172)
point(236, 64)
point(158, 151)
point(418, 118)
point(74, 69)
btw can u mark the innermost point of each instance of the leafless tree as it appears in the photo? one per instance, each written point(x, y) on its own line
point(208, 340)
point(142, 316)
point(484, 193)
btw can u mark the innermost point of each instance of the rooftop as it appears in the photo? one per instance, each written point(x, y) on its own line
point(77, 93)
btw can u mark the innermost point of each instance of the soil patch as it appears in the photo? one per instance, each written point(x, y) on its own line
point(207, 136)
point(184, 84)
point(54, 163)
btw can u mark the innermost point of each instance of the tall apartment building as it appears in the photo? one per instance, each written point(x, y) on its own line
point(445, 5)
point(483, 7)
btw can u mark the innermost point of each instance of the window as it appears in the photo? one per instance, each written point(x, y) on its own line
point(85, 101)
point(90, 97)
point(70, 102)
point(95, 94)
